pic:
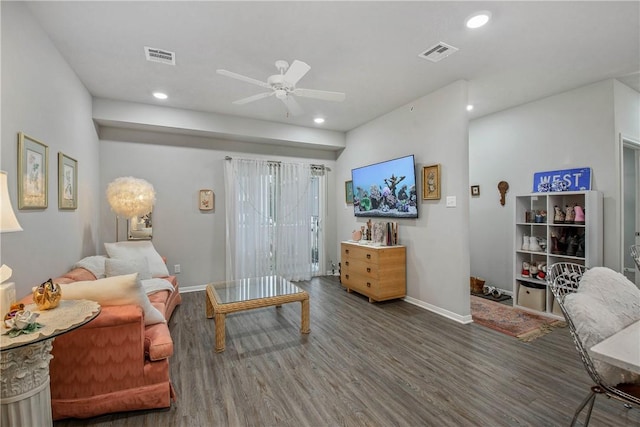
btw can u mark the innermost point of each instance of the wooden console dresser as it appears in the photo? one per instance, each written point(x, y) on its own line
point(378, 272)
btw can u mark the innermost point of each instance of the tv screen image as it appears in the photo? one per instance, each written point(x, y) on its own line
point(386, 189)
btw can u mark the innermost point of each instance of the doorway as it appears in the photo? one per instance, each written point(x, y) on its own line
point(630, 209)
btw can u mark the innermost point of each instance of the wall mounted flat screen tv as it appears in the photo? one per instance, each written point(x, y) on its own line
point(386, 189)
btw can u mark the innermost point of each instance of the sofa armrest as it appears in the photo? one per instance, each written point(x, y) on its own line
point(105, 355)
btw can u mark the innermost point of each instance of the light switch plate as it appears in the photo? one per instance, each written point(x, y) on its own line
point(451, 201)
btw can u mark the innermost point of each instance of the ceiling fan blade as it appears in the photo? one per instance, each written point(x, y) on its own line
point(253, 98)
point(243, 78)
point(320, 94)
point(296, 71)
point(292, 105)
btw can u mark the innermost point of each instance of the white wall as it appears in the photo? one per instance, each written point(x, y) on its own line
point(568, 130)
point(178, 167)
point(43, 97)
point(434, 129)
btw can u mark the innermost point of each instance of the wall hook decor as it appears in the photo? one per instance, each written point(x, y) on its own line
point(503, 187)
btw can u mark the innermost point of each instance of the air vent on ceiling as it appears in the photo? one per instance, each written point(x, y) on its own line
point(438, 52)
point(160, 55)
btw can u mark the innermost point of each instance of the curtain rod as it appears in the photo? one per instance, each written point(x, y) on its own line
point(277, 161)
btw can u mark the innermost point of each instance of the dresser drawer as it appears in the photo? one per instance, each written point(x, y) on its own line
point(362, 253)
point(364, 269)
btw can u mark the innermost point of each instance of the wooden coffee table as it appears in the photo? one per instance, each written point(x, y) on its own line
point(246, 294)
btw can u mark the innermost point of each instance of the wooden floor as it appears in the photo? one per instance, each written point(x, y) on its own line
point(383, 364)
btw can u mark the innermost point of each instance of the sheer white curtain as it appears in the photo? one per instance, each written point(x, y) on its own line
point(293, 222)
point(268, 219)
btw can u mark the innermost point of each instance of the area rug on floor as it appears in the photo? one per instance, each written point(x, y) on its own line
point(511, 321)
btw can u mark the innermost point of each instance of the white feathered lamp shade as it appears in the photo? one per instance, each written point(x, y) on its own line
point(129, 196)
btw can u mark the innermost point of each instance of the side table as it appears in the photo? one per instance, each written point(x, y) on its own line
point(24, 363)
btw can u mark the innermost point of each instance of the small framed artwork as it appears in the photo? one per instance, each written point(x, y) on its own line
point(431, 182)
point(206, 200)
point(475, 190)
point(348, 192)
point(67, 182)
point(33, 172)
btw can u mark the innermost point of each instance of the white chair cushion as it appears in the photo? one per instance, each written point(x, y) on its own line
point(603, 305)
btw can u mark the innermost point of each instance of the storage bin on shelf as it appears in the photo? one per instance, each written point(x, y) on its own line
point(532, 295)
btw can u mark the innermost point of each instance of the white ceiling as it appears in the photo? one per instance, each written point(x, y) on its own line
point(369, 50)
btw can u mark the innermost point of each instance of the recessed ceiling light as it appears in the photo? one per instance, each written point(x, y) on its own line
point(478, 19)
point(469, 107)
point(319, 120)
point(160, 95)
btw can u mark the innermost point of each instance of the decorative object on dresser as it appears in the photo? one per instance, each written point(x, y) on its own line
point(379, 272)
point(67, 182)
point(33, 173)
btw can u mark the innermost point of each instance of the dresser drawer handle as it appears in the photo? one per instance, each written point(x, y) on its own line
point(346, 251)
point(368, 269)
point(346, 276)
point(346, 263)
point(368, 256)
point(368, 284)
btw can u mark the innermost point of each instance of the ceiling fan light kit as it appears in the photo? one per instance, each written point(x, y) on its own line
point(283, 86)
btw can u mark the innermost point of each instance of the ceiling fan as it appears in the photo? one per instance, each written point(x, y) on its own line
point(283, 86)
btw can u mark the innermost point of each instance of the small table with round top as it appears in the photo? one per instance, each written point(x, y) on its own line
point(24, 363)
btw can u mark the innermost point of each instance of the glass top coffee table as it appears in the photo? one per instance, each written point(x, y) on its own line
point(246, 294)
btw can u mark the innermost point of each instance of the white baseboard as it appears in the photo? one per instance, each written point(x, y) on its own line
point(441, 311)
point(196, 288)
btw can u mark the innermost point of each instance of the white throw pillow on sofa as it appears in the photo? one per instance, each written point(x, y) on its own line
point(120, 267)
point(117, 290)
point(95, 264)
point(130, 250)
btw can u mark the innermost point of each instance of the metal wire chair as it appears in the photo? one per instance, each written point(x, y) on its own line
point(564, 278)
point(635, 254)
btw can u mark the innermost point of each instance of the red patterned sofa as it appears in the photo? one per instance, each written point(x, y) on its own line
point(114, 363)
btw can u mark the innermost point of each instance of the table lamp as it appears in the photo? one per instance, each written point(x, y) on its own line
point(8, 223)
point(130, 197)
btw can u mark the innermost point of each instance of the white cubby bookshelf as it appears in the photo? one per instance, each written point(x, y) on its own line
point(591, 201)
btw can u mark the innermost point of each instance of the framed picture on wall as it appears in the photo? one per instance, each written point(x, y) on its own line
point(475, 190)
point(348, 192)
point(33, 172)
point(67, 182)
point(431, 182)
point(206, 200)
